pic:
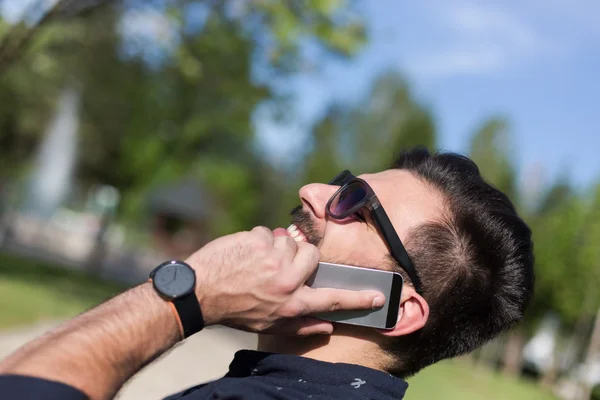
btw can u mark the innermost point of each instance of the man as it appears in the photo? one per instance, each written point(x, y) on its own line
point(468, 277)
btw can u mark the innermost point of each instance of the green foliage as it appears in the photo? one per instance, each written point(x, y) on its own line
point(368, 135)
point(388, 120)
point(491, 150)
point(560, 278)
point(332, 24)
point(187, 110)
point(326, 158)
point(566, 232)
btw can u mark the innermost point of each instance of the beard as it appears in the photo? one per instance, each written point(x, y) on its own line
point(304, 222)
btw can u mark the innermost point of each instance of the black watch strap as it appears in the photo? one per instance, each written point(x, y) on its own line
point(190, 314)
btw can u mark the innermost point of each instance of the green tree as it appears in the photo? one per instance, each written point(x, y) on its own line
point(183, 110)
point(389, 119)
point(491, 150)
point(588, 265)
point(366, 136)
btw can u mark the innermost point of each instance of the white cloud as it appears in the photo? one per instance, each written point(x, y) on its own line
point(458, 61)
point(490, 24)
point(477, 39)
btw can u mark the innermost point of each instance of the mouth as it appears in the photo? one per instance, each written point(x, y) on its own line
point(296, 233)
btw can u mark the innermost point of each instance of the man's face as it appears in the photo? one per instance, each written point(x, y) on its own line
point(408, 201)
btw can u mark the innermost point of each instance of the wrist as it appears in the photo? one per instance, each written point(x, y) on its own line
point(164, 312)
point(205, 300)
point(175, 282)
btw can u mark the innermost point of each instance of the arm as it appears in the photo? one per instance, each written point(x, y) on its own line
point(99, 350)
point(250, 280)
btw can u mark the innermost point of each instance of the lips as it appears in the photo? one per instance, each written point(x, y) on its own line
point(296, 233)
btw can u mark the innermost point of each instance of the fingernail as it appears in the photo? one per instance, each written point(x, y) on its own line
point(326, 331)
point(378, 302)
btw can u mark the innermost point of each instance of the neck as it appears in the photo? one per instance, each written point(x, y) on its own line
point(346, 345)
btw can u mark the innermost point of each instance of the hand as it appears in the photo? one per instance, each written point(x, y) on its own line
point(255, 281)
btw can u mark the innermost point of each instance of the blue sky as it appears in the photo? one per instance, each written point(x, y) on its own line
point(534, 62)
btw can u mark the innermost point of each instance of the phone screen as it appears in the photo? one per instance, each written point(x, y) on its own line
point(339, 276)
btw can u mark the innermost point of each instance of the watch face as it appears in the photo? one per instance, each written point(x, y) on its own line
point(174, 279)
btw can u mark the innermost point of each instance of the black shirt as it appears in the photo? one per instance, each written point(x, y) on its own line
point(255, 375)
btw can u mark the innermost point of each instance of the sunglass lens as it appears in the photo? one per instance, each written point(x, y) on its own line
point(347, 199)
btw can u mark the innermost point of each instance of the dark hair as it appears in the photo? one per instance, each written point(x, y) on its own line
point(476, 266)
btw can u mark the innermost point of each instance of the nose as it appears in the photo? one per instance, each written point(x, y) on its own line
point(315, 196)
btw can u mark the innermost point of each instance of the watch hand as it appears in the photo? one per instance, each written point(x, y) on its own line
point(174, 275)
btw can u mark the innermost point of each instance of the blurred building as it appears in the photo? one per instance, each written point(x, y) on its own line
point(51, 180)
point(181, 217)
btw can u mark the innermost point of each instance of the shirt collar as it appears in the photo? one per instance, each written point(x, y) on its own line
point(378, 384)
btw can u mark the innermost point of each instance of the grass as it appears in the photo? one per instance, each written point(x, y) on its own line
point(31, 291)
point(457, 380)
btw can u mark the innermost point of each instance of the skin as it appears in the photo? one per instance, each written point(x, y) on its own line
point(249, 280)
point(409, 203)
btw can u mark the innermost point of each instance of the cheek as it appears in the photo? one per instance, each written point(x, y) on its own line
point(353, 245)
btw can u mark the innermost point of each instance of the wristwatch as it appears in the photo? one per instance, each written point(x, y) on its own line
point(175, 282)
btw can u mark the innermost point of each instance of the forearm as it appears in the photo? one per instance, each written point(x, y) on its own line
point(101, 349)
point(253, 280)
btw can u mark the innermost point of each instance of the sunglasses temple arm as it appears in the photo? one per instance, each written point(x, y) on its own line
point(397, 248)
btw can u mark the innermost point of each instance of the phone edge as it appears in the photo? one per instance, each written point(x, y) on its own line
point(394, 301)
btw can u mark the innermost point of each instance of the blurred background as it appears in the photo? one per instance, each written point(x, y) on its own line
point(137, 130)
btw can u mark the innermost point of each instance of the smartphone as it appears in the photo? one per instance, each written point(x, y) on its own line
point(339, 276)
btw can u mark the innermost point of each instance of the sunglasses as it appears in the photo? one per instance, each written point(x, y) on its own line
point(354, 195)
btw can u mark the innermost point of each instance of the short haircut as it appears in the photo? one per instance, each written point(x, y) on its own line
point(476, 266)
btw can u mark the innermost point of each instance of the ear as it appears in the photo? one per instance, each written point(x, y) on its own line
point(412, 314)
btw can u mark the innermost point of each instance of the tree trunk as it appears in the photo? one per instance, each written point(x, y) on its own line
point(592, 352)
point(513, 354)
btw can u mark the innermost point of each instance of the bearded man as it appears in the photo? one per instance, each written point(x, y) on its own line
point(464, 253)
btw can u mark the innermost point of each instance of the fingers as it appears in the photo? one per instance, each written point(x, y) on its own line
point(306, 261)
point(286, 246)
point(263, 233)
point(326, 300)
